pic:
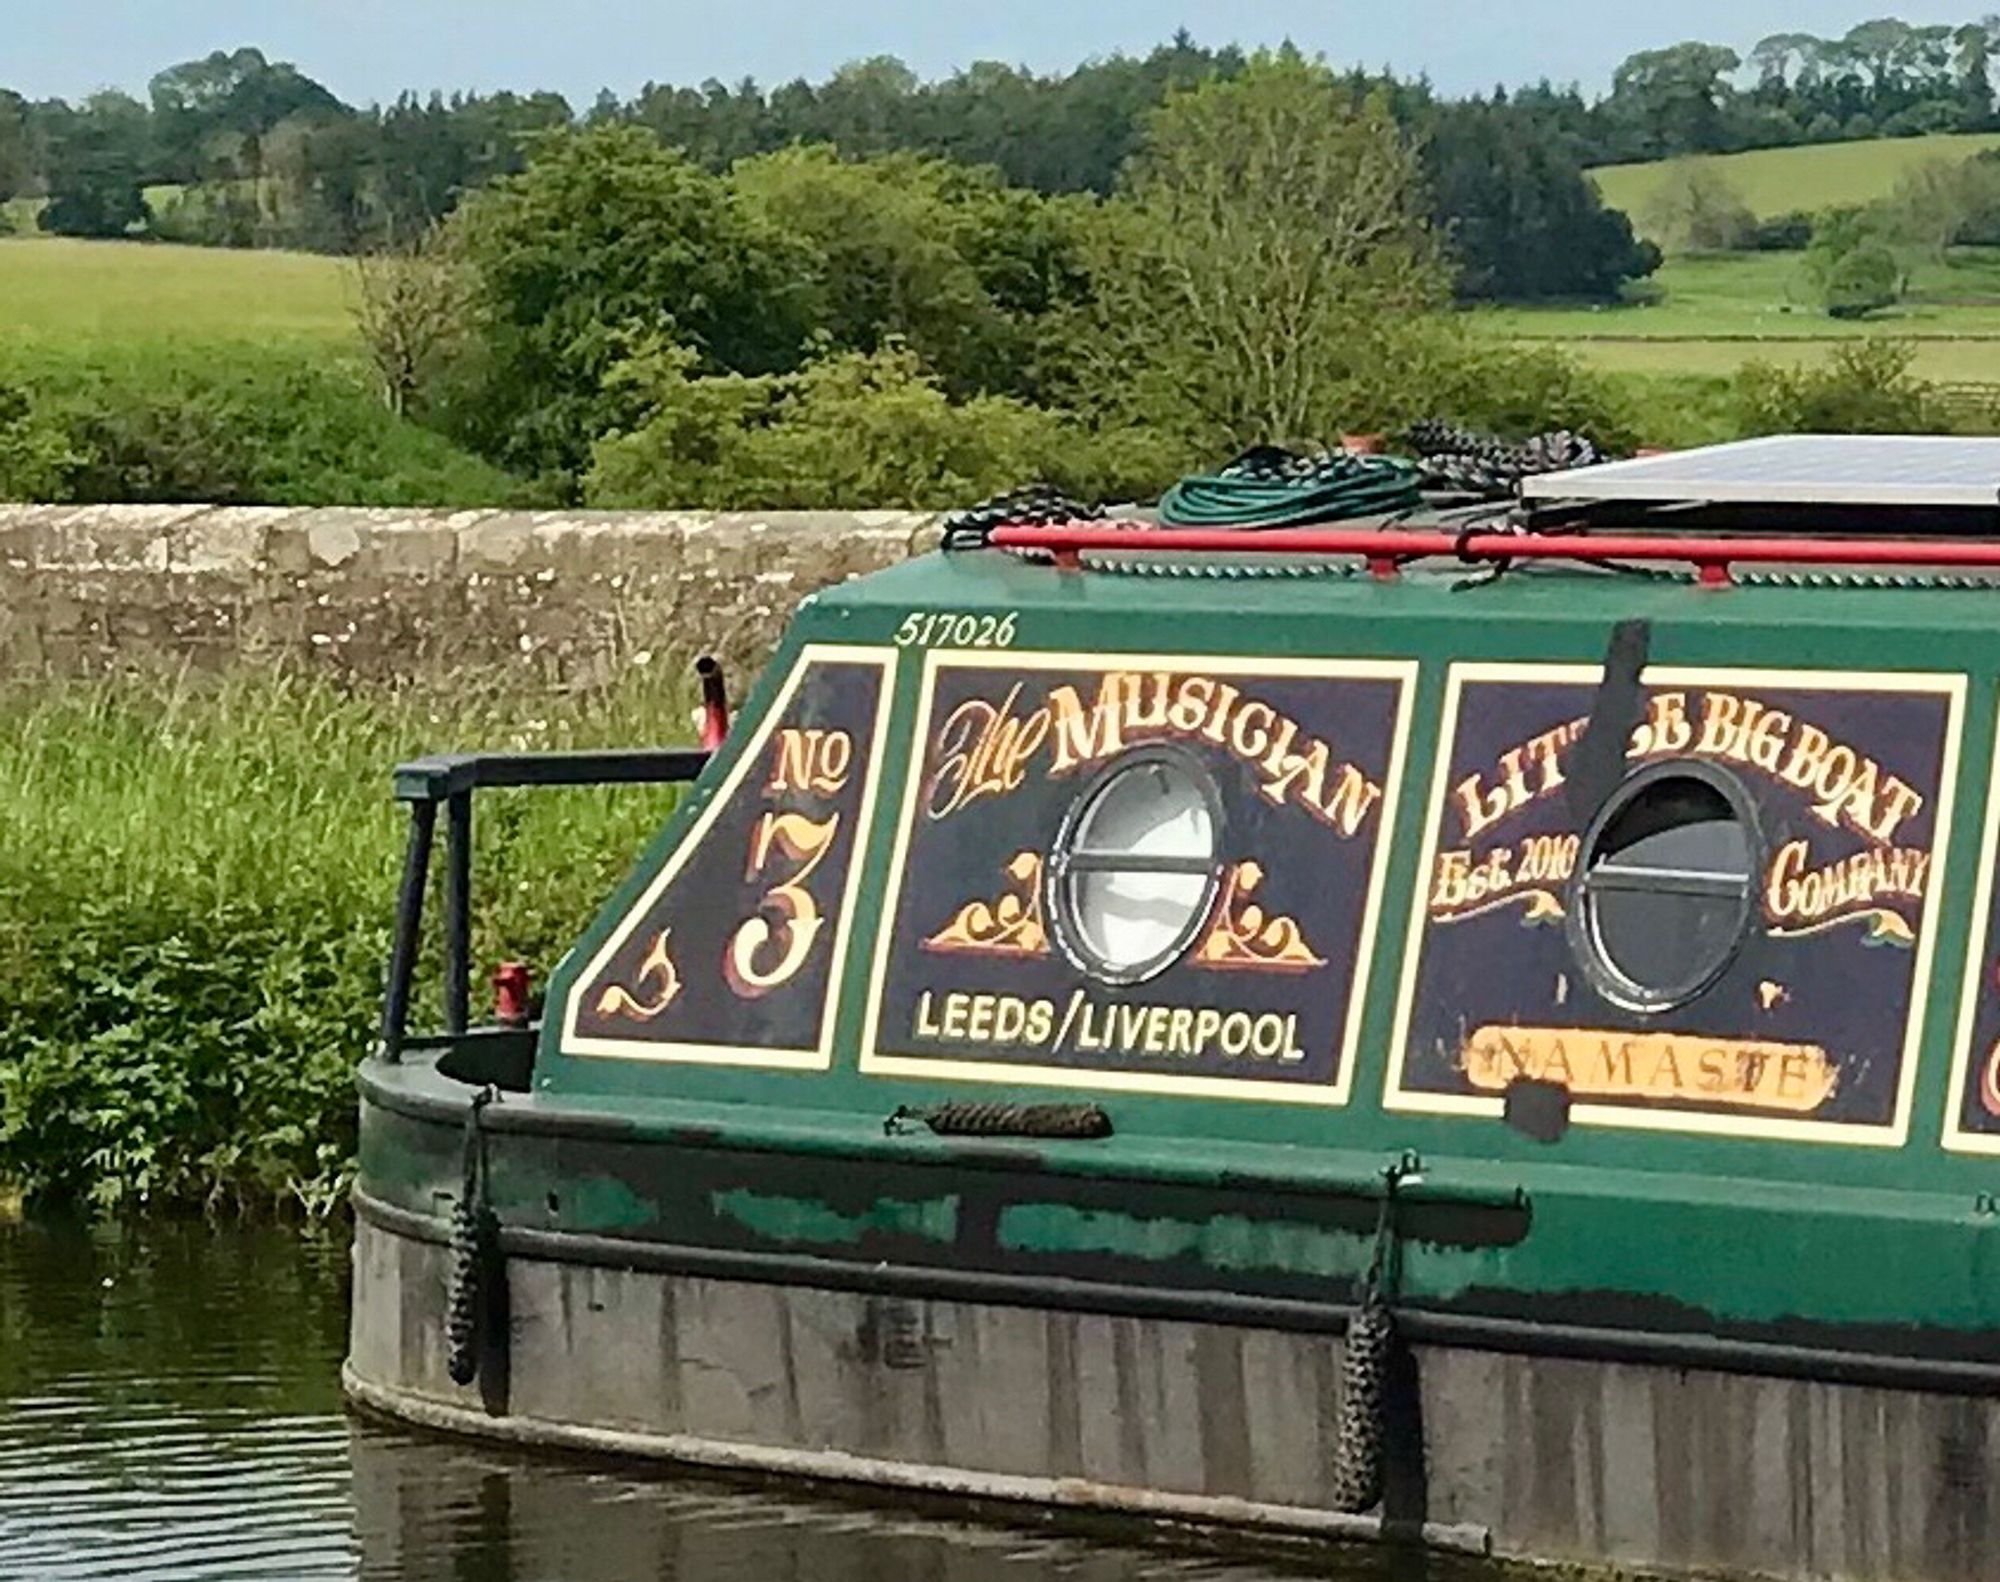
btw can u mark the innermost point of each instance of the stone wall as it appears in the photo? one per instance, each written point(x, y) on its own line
point(385, 593)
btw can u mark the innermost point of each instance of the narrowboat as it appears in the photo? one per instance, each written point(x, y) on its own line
point(1478, 1026)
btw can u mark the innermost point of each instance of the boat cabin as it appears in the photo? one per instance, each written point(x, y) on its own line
point(1569, 928)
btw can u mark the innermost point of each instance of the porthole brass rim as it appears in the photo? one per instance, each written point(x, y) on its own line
point(1603, 974)
point(1063, 864)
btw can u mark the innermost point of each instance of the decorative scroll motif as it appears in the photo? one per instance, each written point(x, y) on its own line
point(1541, 907)
point(658, 970)
point(1009, 926)
point(1244, 937)
point(1884, 927)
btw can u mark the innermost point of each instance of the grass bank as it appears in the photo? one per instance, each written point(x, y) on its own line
point(224, 422)
point(196, 892)
point(138, 371)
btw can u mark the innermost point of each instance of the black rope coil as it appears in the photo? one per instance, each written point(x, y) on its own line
point(1455, 460)
point(994, 1119)
point(1036, 505)
point(472, 1246)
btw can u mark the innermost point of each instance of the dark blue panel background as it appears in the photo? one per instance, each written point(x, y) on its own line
point(1312, 874)
point(1848, 994)
point(713, 893)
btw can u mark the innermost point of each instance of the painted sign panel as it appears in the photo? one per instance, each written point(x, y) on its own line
point(973, 976)
point(1811, 1029)
point(732, 953)
point(1973, 1123)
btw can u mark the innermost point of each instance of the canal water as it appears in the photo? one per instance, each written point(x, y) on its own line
point(169, 1409)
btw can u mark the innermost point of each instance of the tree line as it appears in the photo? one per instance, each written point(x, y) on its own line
point(617, 324)
point(251, 151)
point(238, 150)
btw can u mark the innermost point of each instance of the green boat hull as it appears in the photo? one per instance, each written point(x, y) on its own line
point(1702, 1286)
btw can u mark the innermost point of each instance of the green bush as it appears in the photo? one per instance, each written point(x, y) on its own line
point(197, 882)
point(1862, 282)
point(228, 424)
point(1850, 265)
point(848, 430)
point(37, 457)
point(1864, 387)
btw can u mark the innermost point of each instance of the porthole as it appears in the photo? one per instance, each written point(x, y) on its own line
point(1134, 870)
point(1662, 896)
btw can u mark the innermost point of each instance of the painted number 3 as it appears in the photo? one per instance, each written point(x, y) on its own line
point(790, 939)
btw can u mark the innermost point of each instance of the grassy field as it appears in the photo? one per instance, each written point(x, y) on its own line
point(80, 292)
point(1716, 313)
point(181, 373)
point(1941, 361)
point(1822, 175)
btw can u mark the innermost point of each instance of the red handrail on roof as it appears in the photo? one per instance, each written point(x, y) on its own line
point(1386, 549)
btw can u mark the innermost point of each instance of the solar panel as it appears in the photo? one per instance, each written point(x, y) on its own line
point(1795, 469)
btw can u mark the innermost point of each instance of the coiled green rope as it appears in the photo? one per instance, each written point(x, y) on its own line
point(1268, 487)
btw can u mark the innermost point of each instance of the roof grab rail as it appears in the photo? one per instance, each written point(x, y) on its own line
point(1387, 550)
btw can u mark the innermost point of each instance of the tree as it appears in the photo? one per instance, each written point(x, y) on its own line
point(1271, 238)
point(1862, 281)
point(96, 165)
point(16, 152)
point(238, 92)
point(410, 306)
point(1980, 194)
point(1776, 57)
point(604, 244)
point(1680, 95)
point(1934, 203)
point(1850, 266)
point(1885, 49)
point(1522, 219)
point(1973, 61)
point(1697, 209)
point(940, 256)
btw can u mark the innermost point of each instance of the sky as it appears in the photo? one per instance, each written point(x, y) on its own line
point(369, 50)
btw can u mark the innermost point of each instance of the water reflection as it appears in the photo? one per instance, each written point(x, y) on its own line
point(169, 1409)
point(165, 1406)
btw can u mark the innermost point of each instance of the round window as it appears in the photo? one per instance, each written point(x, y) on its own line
point(1134, 870)
point(1663, 893)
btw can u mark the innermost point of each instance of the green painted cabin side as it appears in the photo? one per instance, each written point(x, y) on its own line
point(1815, 1172)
